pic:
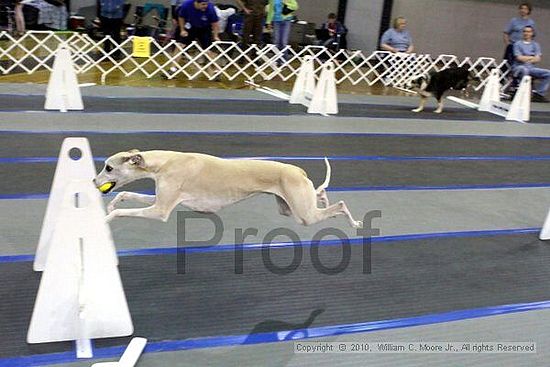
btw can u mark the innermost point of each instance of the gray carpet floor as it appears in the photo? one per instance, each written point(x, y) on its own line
point(409, 278)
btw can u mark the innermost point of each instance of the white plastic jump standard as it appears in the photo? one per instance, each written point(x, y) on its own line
point(66, 171)
point(63, 92)
point(520, 108)
point(491, 92)
point(130, 356)
point(304, 86)
point(545, 232)
point(80, 295)
point(325, 100)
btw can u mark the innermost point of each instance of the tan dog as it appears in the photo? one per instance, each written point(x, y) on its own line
point(206, 183)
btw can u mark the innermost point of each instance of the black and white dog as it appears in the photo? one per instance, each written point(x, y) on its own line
point(436, 84)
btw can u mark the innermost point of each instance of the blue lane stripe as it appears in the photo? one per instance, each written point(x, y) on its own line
point(172, 98)
point(262, 133)
point(288, 113)
point(289, 335)
point(43, 196)
point(259, 246)
point(437, 188)
point(167, 112)
point(23, 160)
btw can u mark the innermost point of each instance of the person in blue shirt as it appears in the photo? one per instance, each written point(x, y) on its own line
point(514, 30)
point(398, 38)
point(527, 53)
point(197, 20)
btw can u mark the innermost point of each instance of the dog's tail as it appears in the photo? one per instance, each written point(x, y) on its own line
point(325, 184)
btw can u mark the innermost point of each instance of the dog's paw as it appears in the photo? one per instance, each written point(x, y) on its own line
point(357, 224)
point(417, 109)
point(438, 111)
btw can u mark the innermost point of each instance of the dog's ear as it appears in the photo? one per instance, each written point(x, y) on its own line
point(136, 160)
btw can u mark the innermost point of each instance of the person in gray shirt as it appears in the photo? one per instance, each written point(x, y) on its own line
point(527, 53)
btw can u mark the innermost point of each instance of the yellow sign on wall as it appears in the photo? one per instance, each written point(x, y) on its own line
point(142, 47)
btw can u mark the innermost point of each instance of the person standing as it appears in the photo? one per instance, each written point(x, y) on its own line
point(19, 18)
point(197, 20)
point(279, 16)
point(111, 14)
point(398, 38)
point(527, 53)
point(254, 16)
point(514, 30)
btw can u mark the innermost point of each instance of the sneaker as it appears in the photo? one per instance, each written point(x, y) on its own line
point(538, 98)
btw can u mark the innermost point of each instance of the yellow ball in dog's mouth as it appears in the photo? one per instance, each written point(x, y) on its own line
point(106, 187)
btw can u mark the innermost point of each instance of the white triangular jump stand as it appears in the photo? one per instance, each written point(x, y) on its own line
point(67, 170)
point(520, 108)
point(325, 100)
point(80, 295)
point(545, 232)
point(491, 92)
point(130, 356)
point(63, 92)
point(304, 86)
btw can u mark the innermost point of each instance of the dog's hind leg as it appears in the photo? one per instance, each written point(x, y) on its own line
point(283, 206)
point(319, 214)
point(126, 195)
point(439, 108)
point(304, 208)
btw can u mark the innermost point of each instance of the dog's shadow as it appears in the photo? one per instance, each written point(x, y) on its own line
point(254, 352)
point(275, 330)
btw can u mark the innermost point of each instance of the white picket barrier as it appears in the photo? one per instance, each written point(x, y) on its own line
point(35, 49)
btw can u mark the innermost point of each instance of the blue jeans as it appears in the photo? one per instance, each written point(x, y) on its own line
point(536, 73)
point(281, 32)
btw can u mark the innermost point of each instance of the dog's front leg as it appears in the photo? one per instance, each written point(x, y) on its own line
point(439, 106)
point(151, 212)
point(422, 103)
point(126, 195)
point(165, 202)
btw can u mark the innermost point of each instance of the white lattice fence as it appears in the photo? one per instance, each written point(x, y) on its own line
point(35, 51)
